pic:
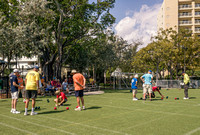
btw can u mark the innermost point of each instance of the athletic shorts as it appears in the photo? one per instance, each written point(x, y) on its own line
point(134, 91)
point(79, 93)
point(147, 88)
point(31, 94)
point(14, 95)
point(65, 100)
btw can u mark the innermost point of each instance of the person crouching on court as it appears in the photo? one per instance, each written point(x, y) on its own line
point(60, 98)
point(154, 89)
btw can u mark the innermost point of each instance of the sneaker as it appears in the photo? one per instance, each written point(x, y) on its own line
point(78, 109)
point(135, 99)
point(11, 110)
point(16, 112)
point(186, 98)
point(34, 113)
point(83, 107)
point(25, 113)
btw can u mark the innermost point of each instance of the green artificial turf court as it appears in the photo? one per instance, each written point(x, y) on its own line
point(111, 113)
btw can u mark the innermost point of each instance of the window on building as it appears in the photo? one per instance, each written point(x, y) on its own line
point(185, 6)
point(197, 12)
point(197, 5)
point(197, 20)
point(197, 29)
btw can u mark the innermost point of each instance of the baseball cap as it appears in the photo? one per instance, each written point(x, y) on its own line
point(36, 67)
point(57, 92)
point(150, 71)
point(16, 70)
point(73, 71)
point(183, 72)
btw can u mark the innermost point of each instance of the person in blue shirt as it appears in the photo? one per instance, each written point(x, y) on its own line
point(14, 90)
point(147, 79)
point(134, 82)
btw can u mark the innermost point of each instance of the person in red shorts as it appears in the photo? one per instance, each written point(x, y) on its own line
point(60, 98)
point(154, 89)
point(79, 85)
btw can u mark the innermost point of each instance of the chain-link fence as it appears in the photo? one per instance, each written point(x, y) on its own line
point(4, 87)
point(195, 84)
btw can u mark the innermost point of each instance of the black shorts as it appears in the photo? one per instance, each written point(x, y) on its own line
point(79, 93)
point(31, 94)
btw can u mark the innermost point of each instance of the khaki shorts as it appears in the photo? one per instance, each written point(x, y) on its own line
point(22, 91)
point(14, 95)
point(134, 91)
point(147, 88)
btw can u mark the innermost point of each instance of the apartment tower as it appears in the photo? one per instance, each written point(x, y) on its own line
point(180, 13)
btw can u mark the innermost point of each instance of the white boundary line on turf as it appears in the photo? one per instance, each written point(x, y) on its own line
point(170, 113)
point(60, 130)
point(112, 131)
point(193, 131)
point(26, 131)
point(144, 123)
point(168, 102)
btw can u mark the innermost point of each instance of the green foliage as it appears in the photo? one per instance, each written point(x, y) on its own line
point(170, 51)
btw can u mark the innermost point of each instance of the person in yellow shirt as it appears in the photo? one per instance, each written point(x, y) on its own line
point(186, 84)
point(32, 85)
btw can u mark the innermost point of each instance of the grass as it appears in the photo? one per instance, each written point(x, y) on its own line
point(111, 113)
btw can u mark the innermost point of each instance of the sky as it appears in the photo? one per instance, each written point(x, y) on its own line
point(136, 19)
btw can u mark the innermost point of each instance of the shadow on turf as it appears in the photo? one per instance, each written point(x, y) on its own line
point(49, 112)
point(93, 107)
point(3, 100)
point(66, 104)
point(192, 97)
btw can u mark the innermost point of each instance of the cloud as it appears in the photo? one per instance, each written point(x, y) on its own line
point(140, 25)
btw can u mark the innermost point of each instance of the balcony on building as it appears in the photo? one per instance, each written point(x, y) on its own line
point(185, 7)
point(197, 6)
point(197, 21)
point(197, 29)
point(185, 22)
point(197, 13)
point(185, 15)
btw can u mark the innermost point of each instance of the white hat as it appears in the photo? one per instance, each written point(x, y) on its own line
point(16, 70)
point(136, 76)
point(74, 71)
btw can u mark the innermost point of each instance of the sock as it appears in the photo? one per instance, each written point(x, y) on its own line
point(32, 109)
point(14, 109)
point(26, 109)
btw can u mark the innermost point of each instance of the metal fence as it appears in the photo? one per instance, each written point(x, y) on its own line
point(4, 87)
point(195, 84)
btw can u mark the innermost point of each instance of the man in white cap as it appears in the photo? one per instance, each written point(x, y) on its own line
point(14, 90)
point(32, 85)
point(79, 85)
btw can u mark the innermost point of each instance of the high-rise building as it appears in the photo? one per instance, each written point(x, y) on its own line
point(180, 13)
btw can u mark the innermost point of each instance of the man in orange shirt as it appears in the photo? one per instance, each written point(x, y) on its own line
point(79, 85)
point(21, 83)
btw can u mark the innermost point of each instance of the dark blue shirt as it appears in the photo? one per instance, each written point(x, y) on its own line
point(13, 78)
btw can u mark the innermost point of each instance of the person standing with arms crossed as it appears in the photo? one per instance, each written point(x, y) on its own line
point(186, 84)
point(79, 85)
point(147, 79)
point(14, 90)
point(32, 84)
